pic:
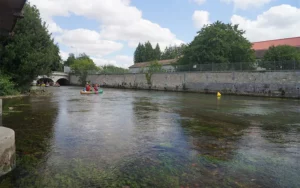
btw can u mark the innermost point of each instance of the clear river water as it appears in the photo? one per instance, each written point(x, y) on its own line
point(131, 138)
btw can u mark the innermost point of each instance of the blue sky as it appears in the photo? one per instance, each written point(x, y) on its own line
point(109, 30)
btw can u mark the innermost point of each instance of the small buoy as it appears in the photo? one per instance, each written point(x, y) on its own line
point(219, 94)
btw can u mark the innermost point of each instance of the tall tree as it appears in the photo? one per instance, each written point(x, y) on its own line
point(157, 53)
point(142, 53)
point(30, 52)
point(218, 43)
point(138, 54)
point(149, 52)
point(173, 52)
point(82, 66)
point(71, 59)
point(281, 57)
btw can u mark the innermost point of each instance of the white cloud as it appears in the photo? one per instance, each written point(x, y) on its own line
point(245, 4)
point(200, 18)
point(118, 20)
point(140, 31)
point(119, 60)
point(277, 22)
point(64, 55)
point(199, 2)
point(88, 41)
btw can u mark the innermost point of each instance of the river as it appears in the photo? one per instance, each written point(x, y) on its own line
point(128, 138)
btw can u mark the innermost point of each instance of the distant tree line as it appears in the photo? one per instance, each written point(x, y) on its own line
point(84, 65)
point(145, 52)
point(225, 44)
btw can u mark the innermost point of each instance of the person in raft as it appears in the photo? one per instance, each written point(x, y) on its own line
point(87, 87)
point(95, 87)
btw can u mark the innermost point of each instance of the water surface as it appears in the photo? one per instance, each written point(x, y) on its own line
point(153, 139)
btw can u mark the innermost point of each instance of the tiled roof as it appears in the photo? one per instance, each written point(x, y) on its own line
point(146, 64)
point(264, 45)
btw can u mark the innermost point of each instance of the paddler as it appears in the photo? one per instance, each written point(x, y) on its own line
point(95, 87)
point(87, 87)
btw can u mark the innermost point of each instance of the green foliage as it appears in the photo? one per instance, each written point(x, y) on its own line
point(6, 86)
point(30, 52)
point(138, 54)
point(157, 52)
point(149, 52)
point(173, 52)
point(282, 53)
point(82, 66)
point(70, 61)
point(281, 57)
point(218, 43)
point(107, 69)
point(146, 53)
point(153, 68)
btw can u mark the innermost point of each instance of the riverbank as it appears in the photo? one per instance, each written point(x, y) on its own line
point(14, 96)
point(262, 84)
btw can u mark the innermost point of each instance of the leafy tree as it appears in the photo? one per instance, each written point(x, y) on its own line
point(173, 52)
point(157, 53)
point(281, 57)
point(7, 87)
point(154, 67)
point(71, 59)
point(30, 52)
point(218, 43)
point(82, 66)
point(106, 69)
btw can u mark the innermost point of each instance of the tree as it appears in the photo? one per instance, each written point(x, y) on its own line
point(106, 69)
point(82, 66)
point(138, 54)
point(71, 59)
point(157, 53)
point(218, 43)
point(149, 52)
point(281, 57)
point(6, 86)
point(30, 52)
point(154, 67)
point(173, 52)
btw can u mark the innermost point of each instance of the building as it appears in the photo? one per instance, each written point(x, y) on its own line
point(261, 47)
point(166, 65)
point(10, 12)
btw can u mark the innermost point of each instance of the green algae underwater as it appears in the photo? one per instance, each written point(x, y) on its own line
point(152, 139)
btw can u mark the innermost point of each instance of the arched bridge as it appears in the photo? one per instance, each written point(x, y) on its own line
point(61, 77)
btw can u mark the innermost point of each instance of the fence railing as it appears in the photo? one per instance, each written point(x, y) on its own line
point(215, 67)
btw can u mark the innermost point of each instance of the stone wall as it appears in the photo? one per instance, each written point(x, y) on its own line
point(274, 84)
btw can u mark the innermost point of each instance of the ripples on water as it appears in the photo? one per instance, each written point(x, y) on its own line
point(153, 139)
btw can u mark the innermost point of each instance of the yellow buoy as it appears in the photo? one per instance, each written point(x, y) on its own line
point(219, 94)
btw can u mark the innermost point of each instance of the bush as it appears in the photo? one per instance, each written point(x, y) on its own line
point(7, 87)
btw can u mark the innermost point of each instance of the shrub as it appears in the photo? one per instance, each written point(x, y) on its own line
point(7, 87)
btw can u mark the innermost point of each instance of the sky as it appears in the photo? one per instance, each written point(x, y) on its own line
point(109, 30)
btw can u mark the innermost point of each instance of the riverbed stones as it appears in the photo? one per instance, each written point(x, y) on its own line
point(7, 150)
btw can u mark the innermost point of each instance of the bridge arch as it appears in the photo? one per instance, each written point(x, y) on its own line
point(60, 77)
point(63, 81)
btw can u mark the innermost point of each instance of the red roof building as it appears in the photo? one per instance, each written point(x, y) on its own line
point(261, 47)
